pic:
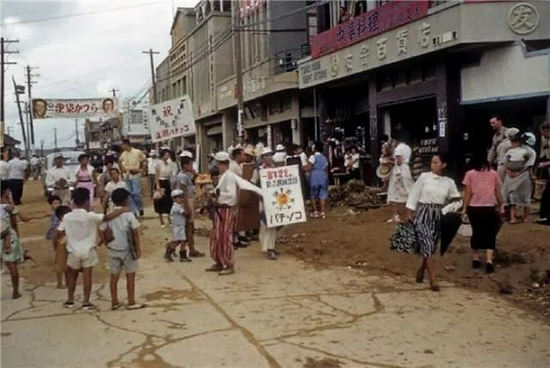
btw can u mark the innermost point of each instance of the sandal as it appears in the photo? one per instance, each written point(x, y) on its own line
point(116, 306)
point(135, 306)
point(435, 287)
point(68, 304)
point(214, 268)
point(88, 306)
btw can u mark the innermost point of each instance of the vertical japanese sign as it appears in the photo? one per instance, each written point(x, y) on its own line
point(74, 108)
point(384, 18)
point(282, 196)
point(172, 119)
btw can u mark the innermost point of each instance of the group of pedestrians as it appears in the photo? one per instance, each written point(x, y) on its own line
point(13, 173)
point(498, 184)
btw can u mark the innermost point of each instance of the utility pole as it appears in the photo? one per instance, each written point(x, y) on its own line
point(151, 53)
point(30, 82)
point(55, 139)
point(3, 64)
point(27, 114)
point(76, 131)
point(114, 91)
point(237, 55)
point(20, 90)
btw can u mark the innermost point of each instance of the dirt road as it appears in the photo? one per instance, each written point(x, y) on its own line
point(268, 314)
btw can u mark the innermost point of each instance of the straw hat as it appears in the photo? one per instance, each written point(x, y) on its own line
point(249, 150)
point(383, 171)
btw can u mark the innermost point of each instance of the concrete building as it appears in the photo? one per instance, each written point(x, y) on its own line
point(430, 70)
point(101, 134)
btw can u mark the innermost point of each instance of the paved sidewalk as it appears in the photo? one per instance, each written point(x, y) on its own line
point(270, 314)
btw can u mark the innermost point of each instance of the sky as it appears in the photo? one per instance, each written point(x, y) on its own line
point(82, 56)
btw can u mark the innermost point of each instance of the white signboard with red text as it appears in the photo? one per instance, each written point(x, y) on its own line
point(172, 119)
point(282, 196)
point(49, 108)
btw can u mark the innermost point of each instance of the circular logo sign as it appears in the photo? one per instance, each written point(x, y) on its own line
point(334, 65)
point(523, 18)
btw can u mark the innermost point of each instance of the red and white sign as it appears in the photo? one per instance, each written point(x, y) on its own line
point(172, 119)
point(384, 18)
point(45, 108)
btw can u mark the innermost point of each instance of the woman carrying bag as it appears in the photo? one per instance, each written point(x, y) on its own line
point(164, 171)
point(483, 203)
point(429, 194)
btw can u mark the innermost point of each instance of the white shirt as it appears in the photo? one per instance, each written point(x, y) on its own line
point(312, 159)
point(80, 227)
point(121, 226)
point(228, 185)
point(279, 157)
point(35, 161)
point(432, 189)
point(235, 168)
point(17, 169)
point(303, 157)
point(151, 164)
point(355, 157)
point(63, 172)
point(110, 188)
point(404, 151)
point(4, 170)
point(166, 169)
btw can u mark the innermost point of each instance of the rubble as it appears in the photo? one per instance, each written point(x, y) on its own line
point(357, 195)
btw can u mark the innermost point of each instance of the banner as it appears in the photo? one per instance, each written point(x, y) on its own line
point(282, 196)
point(172, 119)
point(74, 108)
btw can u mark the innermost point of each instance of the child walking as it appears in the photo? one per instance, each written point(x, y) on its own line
point(80, 228)
point(124, 249)
point(60, 248)
point(178, 213)
point(55, 202)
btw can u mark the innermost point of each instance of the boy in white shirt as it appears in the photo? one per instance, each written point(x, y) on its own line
point(179, 214)
point(124, 249)
point(80, 229)
point(111, 186)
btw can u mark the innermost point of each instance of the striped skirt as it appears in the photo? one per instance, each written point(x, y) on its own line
point(221, 237)
point(427, 221)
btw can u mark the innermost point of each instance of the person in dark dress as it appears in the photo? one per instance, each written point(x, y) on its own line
point(164, 172)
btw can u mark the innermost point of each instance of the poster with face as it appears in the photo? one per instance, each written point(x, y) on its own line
point(43, 108)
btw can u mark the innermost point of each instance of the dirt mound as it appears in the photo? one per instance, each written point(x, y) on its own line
point(357, 195)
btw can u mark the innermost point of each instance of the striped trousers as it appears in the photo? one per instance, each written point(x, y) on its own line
point(221, 238)
point(427, 222)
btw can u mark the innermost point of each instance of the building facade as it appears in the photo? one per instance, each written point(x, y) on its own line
point(429, 71)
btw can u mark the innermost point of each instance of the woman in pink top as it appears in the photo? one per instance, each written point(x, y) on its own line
point(483, 202)
point(85, 177)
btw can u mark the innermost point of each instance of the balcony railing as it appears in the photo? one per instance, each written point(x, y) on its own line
point(287, 60)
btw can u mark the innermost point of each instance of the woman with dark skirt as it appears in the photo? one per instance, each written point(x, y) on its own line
point(431, 192)
point(483, 203)
point(164, 172)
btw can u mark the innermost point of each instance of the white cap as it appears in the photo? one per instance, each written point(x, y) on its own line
point(280, 147)
point(153, 152)
point(58, 155)
point(266, 151)
point(222, 156)
point(186, 154)
point(176, 193)
point(511, 132)
point(530, 139)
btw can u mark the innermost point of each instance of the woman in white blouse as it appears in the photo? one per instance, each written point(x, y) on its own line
point(164, 171)
point(401, 180)
point(429, 194)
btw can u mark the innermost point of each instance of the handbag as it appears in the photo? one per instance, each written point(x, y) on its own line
point(404, 239)
point(158, 194)
point(465, 229)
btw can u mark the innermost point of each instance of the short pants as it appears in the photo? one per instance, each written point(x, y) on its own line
point(76, 261)
point(122, 259)
point(319, 192)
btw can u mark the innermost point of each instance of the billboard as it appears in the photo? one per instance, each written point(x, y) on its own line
point(282, 195)
point(47, 108)
point(172, 119)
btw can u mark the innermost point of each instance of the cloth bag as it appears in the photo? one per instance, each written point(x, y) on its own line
point(404, 239)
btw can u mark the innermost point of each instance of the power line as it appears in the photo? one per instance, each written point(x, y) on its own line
point(77, 14)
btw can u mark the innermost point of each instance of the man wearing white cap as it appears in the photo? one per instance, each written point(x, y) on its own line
point(225, 201)
point(60, 178)
point(280, 155)
point(151, 164)
point(268, 236)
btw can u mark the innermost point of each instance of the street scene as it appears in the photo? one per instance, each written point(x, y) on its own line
point(272, 183)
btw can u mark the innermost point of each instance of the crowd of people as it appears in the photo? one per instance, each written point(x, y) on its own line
point(498, 187)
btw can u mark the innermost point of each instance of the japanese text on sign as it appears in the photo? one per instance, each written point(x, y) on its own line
point(282, 196)
point(172, 119)
point(80, 108)
point(384, 18)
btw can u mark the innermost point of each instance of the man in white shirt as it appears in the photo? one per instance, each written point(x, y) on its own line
point(235, 165)
point(401, 180)
point(17, 170)
point(35, 167)
point(151, 164)
point(60, 178)
point(226, 197)
point(4, 166)
point(279, 156)
point(80, 228)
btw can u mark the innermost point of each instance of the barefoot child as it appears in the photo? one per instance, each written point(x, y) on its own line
point(124, 249)
point(55, 202)
point(12, 252)
point(60, 248)
point(80, 227)
point(179, 213)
